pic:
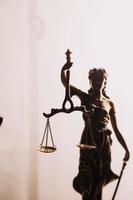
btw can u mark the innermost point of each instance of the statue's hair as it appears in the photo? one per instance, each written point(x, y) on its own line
point(98, 73)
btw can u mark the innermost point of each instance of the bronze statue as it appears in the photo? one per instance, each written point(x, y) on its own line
point(94, 164)
point(95, 155)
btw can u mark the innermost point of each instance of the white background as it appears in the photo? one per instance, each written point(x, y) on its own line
point(34, 36)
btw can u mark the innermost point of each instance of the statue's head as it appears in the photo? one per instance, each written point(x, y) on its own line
point(97, 78)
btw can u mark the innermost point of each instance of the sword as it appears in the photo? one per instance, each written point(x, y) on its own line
point(121, 173)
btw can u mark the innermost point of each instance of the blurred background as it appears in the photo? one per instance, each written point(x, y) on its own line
point(34, 36)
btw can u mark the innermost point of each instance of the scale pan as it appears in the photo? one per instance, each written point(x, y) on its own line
point(87, 146)
point(47, 149)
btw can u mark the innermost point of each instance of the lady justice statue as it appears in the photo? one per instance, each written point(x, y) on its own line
point(95, 155)
point(94, 163)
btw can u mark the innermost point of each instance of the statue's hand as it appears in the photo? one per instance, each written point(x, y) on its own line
point(127, 156)
point(67, 66)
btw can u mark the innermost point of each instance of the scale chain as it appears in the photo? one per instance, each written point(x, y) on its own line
point(51, 133)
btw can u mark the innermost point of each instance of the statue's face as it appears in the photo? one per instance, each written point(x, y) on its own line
point(98, 83)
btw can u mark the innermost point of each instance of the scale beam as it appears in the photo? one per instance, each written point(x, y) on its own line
point(64, 110)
